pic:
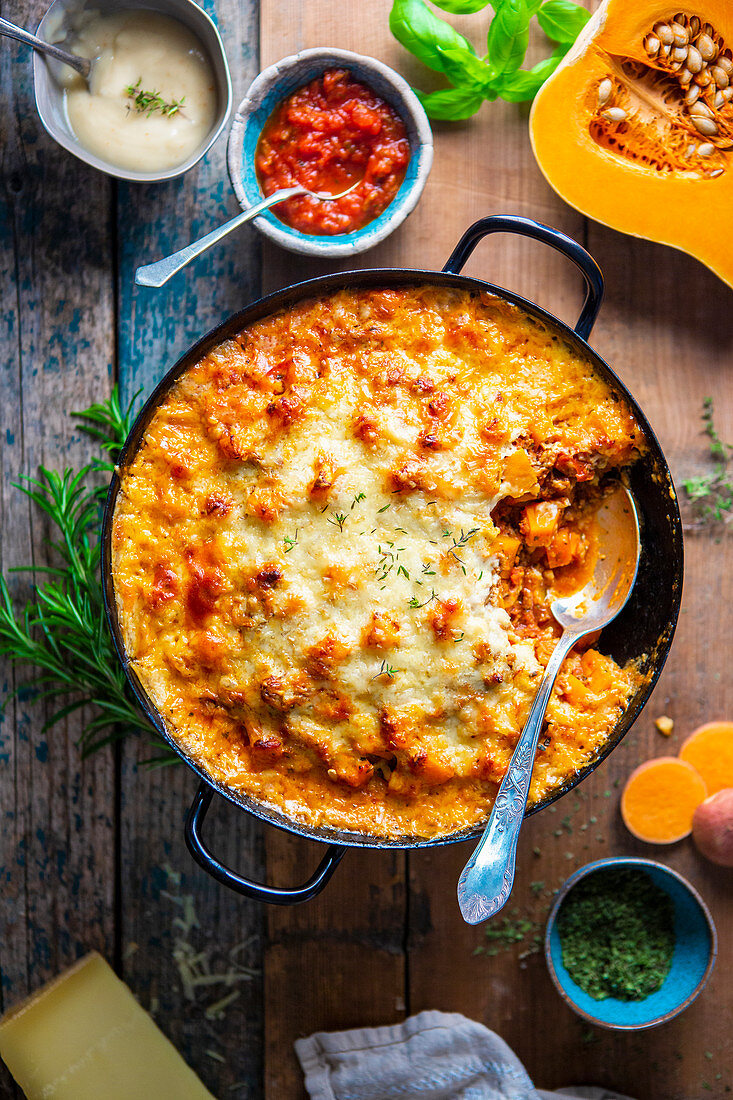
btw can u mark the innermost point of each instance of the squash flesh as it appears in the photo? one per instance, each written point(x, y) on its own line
point(633, 175)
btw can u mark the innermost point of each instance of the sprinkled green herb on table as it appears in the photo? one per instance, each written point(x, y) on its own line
point(711, 494)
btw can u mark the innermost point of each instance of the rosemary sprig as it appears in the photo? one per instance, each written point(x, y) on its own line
point(147, 103)
point(712, 494)
point(62, 631)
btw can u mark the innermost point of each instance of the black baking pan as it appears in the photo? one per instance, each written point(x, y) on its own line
point(642, 632)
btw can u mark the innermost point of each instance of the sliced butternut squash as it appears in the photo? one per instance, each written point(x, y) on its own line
point(635, 127)
point(710, 750)
point(660, 798)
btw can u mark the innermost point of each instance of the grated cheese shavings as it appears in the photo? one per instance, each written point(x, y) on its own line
point(195, 967)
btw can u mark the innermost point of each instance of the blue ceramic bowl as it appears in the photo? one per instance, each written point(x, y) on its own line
point(277, 82)
point(696, 947)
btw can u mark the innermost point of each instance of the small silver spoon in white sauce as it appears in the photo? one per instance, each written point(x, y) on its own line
point(487, 879)
point(82, 65)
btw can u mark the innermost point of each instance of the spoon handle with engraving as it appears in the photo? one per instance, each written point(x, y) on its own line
point(157, 274)
point(487, 879)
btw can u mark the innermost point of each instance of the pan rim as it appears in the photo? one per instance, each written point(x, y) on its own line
point(266, 306)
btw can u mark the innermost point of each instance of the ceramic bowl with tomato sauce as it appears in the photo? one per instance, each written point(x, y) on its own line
point(330, 120)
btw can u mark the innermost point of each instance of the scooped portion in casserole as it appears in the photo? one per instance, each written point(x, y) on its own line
point(334, 548)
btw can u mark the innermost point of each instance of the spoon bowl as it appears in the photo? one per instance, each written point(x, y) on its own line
point(602, 598)
point(487, 879)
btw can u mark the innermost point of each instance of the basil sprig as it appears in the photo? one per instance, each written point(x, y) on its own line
point(508, 37)
point(499, 74)
point(425, 34)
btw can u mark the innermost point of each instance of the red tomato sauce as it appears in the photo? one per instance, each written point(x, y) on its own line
point(327, 135)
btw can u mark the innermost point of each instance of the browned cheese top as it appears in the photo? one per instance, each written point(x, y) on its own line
point(333, 548)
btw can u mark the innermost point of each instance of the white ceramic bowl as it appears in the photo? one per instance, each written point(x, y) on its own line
point(277, 82)
point(50, 96)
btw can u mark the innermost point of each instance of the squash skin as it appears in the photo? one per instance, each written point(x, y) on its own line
point(692, 215)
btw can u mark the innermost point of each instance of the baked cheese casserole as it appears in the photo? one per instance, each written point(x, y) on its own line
point(333, 548)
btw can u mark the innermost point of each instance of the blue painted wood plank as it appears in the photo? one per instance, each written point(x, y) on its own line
point(155, 326)
point(57, 827)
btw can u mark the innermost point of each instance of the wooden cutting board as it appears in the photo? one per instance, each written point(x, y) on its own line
point(386, 938)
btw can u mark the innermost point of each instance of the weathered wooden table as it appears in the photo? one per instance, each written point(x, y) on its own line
point(92, 855)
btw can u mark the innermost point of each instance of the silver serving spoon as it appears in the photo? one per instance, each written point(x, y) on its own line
point(160, 272)
point(486, 882)
point(81, 64)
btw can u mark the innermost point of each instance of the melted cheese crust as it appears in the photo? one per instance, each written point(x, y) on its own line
point(308, 577)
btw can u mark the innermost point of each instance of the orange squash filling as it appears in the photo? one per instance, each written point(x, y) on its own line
point(335, 548)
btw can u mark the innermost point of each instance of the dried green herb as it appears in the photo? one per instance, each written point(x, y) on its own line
point(502, 935)
point(337, 521)
point(414, 601)
point(616, 931)
point(386, 669)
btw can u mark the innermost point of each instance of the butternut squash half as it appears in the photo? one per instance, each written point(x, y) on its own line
point(635, 127)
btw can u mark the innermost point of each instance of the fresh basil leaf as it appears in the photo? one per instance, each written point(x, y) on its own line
point(508, 36)
point(462, 67)
point(422, 33)
point(461, 7)
point(561, 20)
point(523, 85)
point(533, 6)
point(520, 86)
point(453, 103)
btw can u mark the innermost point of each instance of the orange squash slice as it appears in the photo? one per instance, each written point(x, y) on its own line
point(635, 127)
point(660, 798)
point(710, 751)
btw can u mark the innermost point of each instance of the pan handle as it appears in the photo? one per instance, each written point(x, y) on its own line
point(274, 895)
point(511, 223)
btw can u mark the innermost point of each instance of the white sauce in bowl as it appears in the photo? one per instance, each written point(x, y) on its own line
point(158, 55)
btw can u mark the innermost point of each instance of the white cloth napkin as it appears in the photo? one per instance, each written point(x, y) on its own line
point(431, 1056)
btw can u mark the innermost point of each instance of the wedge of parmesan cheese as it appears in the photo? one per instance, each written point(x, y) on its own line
point(85, 1037)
